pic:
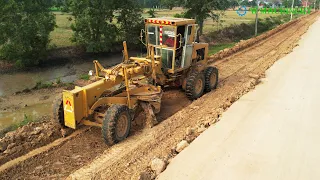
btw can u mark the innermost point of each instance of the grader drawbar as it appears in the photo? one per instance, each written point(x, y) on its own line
point(174, 58)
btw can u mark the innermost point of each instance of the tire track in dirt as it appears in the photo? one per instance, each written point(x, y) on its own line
point(132, 156)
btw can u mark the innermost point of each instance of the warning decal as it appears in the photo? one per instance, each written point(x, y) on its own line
point(68, 107)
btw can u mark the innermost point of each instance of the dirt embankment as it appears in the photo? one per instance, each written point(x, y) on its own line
point(26, 138)
point(131, 157)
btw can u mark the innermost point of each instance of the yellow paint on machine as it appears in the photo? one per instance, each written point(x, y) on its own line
point(68, 106)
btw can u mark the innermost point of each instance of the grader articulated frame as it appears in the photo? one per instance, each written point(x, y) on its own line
point(112, 100)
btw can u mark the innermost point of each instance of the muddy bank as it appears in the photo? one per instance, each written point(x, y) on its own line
point(33, 105)
point(23, 80)
point(27, 138)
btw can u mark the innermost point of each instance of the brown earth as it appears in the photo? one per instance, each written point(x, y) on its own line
point(238, 74)
point(26, 138)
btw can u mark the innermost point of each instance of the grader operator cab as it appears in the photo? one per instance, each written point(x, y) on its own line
point(111, 102)
point(183, 59)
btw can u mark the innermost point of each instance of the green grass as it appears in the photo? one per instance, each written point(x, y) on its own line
point(84, 76)
point(230, 17)
point(216, 48)
point(61, 36)
point(42, 85)
point(56, 83)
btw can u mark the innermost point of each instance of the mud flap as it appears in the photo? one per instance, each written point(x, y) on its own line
point(151, 119)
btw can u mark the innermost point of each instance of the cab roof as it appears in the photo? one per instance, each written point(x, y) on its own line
point(170, 21)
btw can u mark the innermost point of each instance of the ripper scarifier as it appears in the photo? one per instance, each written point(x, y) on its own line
point(174, 58)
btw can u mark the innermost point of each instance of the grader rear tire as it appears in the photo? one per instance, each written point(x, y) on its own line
point(211, 76)
point(195, 85)
point(116, 125)
point(58, 113)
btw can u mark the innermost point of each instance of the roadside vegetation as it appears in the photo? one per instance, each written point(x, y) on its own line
point(228, 36)
point(29, 30)
point(84, 76)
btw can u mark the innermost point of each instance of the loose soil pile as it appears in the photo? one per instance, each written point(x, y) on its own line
point(26, 138)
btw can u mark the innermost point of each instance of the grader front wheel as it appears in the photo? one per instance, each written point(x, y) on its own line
point(58, 114)
point(116, 125)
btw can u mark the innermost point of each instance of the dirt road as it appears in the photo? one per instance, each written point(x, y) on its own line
point(86, 156)
point(269, 133)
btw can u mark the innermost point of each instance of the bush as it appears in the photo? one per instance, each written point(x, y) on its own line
point(237, 32)
point(177, 15)
point(130, 21)
point(24, 31)
point(84, 76)
point(152, 13)
point(95, 25)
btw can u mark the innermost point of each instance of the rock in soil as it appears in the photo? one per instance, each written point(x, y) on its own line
point(201, 129)
point(189, 131)
point(254, 76)
point(158, 165)
point(190, 138)
point(181, 145)
point(146, 175)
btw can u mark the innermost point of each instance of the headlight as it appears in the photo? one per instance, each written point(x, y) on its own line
point(90, 73)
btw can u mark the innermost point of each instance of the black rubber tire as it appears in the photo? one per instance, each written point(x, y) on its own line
point(191, 84)
point(57, 111)
point(110, 122)
point(208, 73)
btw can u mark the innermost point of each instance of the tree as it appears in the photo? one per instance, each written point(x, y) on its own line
point(276, 2)
point(24, 30)
point(168, 3)
point(95, 24)
point(202, 9)
point(234, 4)
point(152, 13)
point(288, 3)
point(130, 20)
point(62, 4)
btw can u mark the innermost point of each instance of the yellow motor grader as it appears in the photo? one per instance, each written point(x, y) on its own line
point(174, 58)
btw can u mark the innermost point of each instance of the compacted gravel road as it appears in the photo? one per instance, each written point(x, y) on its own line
point(273, 132)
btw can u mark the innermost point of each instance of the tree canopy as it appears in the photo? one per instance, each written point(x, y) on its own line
point(95, 23)
point(24, 30)
point(202, 9)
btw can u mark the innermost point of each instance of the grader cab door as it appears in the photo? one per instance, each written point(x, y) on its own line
point(187, 46)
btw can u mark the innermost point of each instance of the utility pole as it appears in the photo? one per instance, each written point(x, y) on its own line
point(292, 9)
point(256, 26)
